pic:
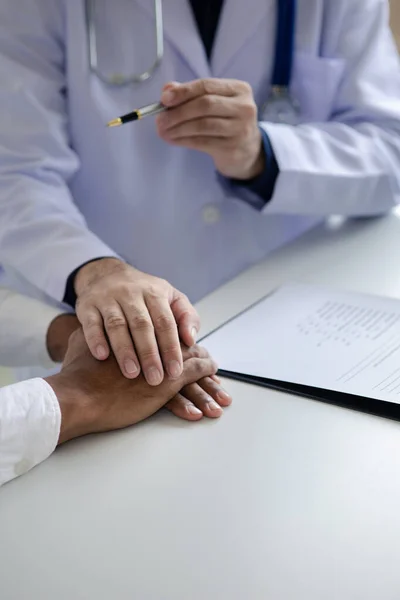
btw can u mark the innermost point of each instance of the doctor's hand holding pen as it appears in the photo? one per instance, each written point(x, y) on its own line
point(218, 117)
point(215, 116)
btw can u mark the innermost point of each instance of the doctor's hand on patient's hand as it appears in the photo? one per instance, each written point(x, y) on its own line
point(205, 397)
point(141, 317)
point(95, 397)
point(216, 116)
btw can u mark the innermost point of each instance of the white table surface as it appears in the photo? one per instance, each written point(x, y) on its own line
point(281, 499)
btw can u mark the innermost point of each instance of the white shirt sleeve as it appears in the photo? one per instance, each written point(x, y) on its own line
point(30, 421)
point(24, 323)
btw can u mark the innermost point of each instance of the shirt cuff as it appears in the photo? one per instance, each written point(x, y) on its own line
point(70, 296)
point(259, 191)
point(31, 420)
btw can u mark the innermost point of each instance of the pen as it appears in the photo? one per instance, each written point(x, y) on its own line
point(139, 113)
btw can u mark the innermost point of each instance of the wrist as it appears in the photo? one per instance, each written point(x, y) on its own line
point(58, 334)
point(253, 161)
point(93, 270)
point(78, 412)
point(256, 165)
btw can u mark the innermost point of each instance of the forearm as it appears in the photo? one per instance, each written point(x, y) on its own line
point(69, 243)
point(36, 416)
point(39, 414)
point(78, 411)
point(43, 235)
point(336, 168)
point(344, 156)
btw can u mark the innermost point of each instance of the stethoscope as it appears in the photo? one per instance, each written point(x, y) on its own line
point(280, 105)
point(118, 79)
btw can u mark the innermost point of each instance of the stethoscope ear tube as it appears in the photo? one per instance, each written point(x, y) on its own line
point(118, 79)
point(284, 47)
point(280, 106)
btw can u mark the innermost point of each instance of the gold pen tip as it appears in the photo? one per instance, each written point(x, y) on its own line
point(114, 123)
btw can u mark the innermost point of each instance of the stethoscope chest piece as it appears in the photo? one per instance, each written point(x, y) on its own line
point(281, 107)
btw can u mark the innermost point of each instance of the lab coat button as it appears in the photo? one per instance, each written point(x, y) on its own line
point(211, 214)
point(22, 467)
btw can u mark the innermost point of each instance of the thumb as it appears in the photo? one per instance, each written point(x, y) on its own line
point(76, 347)
point(195, 369)
point(170, 85)
point(168, 95)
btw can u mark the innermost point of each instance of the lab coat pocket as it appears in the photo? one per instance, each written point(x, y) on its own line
point(315, 85)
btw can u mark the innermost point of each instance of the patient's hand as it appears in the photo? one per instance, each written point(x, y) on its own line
point(206, 397)
point(58, 334)
point(94, 396)
point(203, 398)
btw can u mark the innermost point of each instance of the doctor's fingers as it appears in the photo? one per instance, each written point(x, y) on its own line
point(186, 317)
point(209, 144)
point(166, 333)
point(116, 326)
point(142, 332)
point(208, 126)
point(112, 319)
point(210, 106)
point(177, 93)
point(93, 328)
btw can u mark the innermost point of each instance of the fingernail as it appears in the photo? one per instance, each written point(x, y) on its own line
point(174, 369)
point(214, 407)
point(168, 96)
point(154, 376)
point(131, 367)
point(216, 379)
point(101, 352)
point(194, 333)
point(224, 396)
point(193, 410)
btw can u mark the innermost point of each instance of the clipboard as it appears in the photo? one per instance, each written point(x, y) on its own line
point(386, 329)
point(371, 406)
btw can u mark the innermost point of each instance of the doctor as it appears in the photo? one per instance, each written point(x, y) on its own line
point(287, 111)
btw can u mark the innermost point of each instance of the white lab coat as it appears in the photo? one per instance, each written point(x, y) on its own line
point(72, 190)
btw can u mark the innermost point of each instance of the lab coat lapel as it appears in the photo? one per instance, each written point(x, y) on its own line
point(180, 30)
point(239, 21)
